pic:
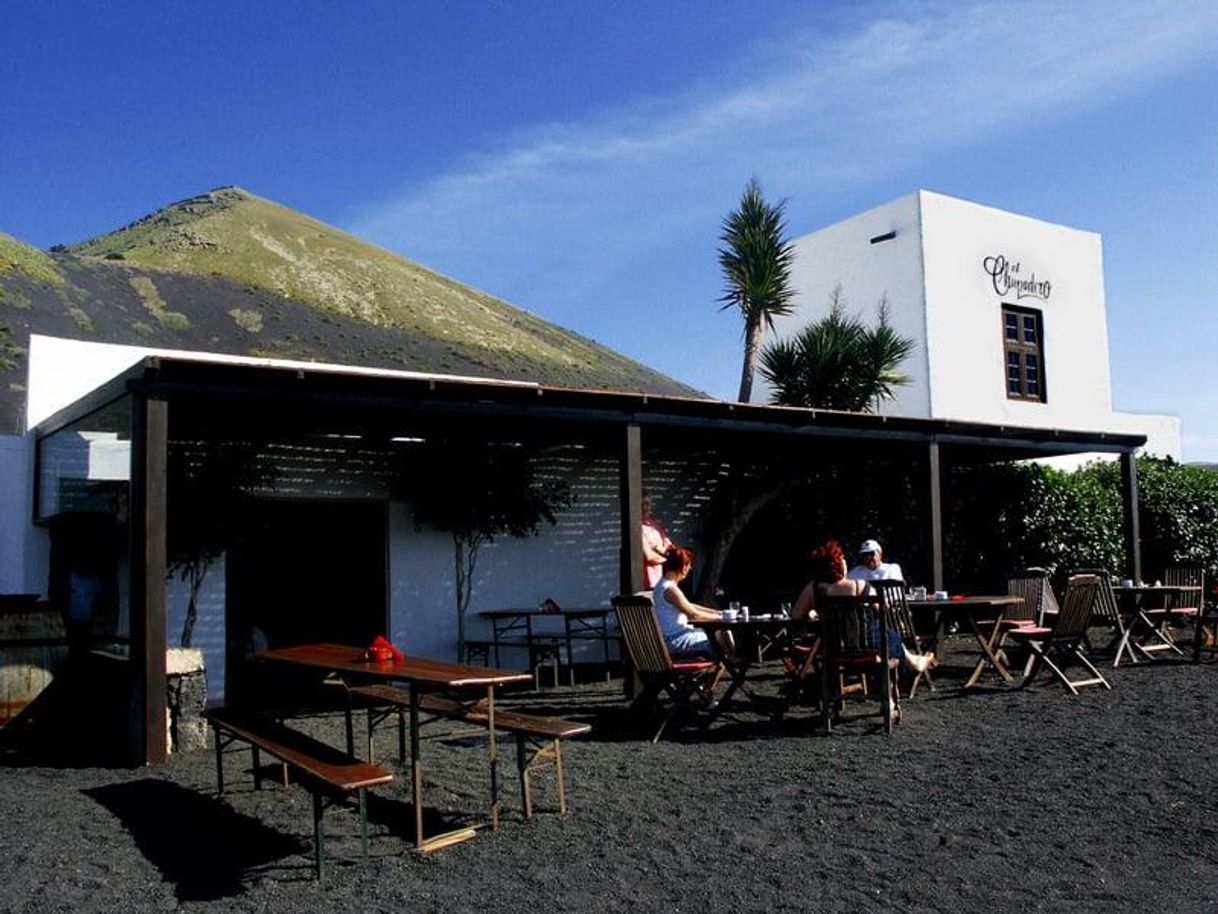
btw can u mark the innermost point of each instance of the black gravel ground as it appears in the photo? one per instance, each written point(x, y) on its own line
point(999, 799)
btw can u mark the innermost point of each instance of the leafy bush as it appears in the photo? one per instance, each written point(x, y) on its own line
point(1010, 516)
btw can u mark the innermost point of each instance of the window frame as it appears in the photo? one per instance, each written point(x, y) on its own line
point(1021, 349)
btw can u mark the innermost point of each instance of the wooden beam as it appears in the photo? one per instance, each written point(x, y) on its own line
point(1129, 500)
point(149, 457)
point(630, 472)
point(934, 483)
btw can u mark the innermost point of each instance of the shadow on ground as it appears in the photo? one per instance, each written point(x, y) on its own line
point(200, 845)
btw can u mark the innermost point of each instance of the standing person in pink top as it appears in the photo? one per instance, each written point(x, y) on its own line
point(655, 546)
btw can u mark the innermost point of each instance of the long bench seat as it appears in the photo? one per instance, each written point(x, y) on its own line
point(327, 773)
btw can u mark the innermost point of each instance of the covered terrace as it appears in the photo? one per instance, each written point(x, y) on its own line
point(163, 401)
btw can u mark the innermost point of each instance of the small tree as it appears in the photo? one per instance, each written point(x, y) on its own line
point(207, 492)
point(756, 259)
point(478, 491)
point(837, 362)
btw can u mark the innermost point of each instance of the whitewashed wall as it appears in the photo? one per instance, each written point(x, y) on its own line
point(933, 273)
point(842, 256)
point(24, 548)
point(964, 315)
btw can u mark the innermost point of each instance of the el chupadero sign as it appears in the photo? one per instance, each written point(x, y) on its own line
point(1007, 277)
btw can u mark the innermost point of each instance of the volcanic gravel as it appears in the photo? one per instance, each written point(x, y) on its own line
point(1000, 799)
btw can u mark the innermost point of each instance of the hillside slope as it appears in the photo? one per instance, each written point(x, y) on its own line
point(230, 272)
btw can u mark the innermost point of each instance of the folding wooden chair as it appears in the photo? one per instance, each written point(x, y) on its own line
point(657, 671)
point(894, 599)
point(1038, 608)
point(1185, 608)
point(1105, 613)
point(854, 640)
point(1062, 641)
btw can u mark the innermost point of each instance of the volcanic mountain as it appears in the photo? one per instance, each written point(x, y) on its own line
point(230, 272)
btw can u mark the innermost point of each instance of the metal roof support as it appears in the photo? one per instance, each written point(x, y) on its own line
point(149, 459)
point(1129, 498)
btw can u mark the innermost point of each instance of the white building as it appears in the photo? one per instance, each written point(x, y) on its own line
point(1007, 313)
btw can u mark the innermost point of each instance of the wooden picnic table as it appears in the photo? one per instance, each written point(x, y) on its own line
point(421, 675)
point(981, 613)
point(520, 628)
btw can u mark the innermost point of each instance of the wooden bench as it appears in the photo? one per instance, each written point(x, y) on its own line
point(328, 773)
point(543, 735)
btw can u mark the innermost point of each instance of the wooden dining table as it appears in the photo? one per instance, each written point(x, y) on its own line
point(420, 675)
point(1136, 600)
point(747, 635)
point(981, 613)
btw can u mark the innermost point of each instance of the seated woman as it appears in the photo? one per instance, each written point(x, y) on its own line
point(675, 612)
point(829, 579)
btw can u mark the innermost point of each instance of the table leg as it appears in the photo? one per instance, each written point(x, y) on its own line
point(989, 657)
point(493, 752)
point(416, 769)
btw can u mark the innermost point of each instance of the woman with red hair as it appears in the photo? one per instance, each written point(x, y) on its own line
point(829, 580)
point(675, 612)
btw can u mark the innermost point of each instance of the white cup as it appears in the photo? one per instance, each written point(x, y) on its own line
point(729, 615)
point(940, 594)
point(1128, 582)
point(744, 613)
point(918, 593)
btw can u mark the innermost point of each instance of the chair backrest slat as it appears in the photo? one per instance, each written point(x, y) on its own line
point(1105, 609)
point(1186, 576)
point(1038, 599)
point(1074, 616)
point(895, 600)
point(641, 632)
point(851, 628)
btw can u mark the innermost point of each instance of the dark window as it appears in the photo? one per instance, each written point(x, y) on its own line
point(1023, 342)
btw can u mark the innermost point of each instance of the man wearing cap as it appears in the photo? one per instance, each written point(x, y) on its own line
point(872, 566)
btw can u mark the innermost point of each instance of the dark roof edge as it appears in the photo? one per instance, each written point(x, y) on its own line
point(171, 377)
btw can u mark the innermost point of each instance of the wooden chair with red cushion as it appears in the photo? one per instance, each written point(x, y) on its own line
point(659, 674)
point(854, 642)
point(1060, 644)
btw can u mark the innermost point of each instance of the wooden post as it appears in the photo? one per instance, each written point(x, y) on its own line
point(630, 471)
point(934, 489)
point(1129, 499)
point(149, 458)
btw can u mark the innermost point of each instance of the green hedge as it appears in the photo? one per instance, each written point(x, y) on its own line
point(1012, 516)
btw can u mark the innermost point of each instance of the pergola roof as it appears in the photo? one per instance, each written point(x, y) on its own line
point(225, 398)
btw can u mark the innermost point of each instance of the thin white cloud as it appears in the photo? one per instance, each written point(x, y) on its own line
point(589, 199)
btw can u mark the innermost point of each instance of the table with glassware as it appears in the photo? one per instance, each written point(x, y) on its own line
point(981, 614)
point(748, 633)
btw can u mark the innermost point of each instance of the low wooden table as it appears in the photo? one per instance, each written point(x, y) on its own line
point(981, 613)
point(421, 675)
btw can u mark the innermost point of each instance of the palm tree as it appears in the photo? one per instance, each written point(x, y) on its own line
point(837, 362)
point(756, 261)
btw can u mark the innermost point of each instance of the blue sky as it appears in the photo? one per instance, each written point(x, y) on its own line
point(576, 158)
